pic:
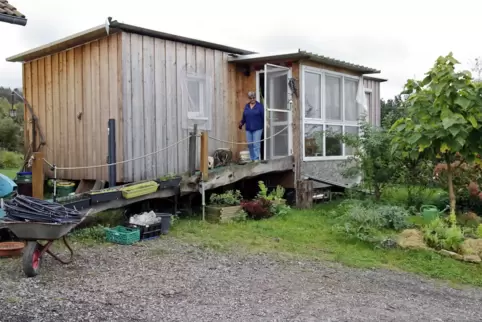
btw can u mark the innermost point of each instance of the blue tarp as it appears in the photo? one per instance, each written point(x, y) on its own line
point(7, 186)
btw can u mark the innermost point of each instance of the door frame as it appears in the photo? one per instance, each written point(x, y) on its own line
point(289, 111)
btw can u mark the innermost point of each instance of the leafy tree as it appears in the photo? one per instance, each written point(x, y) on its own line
point(444, 119)
point(372, 158)
point(391, 110)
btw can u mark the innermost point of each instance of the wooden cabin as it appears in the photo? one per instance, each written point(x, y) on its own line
point(157, 85)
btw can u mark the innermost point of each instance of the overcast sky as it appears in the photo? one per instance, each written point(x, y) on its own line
point(401, 38)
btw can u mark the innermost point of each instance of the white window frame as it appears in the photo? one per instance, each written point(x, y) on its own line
point(322, 120)
point(201, 81)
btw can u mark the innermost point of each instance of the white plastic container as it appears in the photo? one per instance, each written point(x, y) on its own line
point(244, 156)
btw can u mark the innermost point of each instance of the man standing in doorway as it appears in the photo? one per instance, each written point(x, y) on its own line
point(253, 118)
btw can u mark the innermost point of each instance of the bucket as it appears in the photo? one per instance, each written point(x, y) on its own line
point(65, 188)
point(244, 156)
point(24, 177)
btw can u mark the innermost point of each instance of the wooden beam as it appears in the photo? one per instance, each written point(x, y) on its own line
point(38, 175)
point(304, 190)
point(220, 177)
point(120, 203)
point(204, 155)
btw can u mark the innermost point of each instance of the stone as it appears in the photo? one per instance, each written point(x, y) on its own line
point(411, 239)
point(472, 259)
point(451, 254)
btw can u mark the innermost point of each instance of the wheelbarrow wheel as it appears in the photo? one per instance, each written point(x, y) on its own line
point(31, 259)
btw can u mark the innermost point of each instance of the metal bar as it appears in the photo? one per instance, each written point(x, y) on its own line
point(58, 258)
point(112, 153)
point(192, 151)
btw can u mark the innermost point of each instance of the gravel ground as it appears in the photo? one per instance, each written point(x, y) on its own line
point(166, 280)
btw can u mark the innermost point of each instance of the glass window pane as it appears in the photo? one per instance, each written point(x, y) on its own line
point(333, 141)
point(194, 92)
point(313, 140)
point(312, 95)
point(333, 97)
point(351, 106)
point(350, 130)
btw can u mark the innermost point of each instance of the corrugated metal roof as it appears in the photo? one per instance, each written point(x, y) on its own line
point(114, 26)
point(10, 14)
point(302, 54)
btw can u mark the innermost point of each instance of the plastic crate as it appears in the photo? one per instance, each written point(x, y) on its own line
point(148, 231)
point(122, 235)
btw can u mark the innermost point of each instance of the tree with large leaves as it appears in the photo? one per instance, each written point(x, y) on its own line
point(444, 119)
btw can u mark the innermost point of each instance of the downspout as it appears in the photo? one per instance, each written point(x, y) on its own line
point(13, 20)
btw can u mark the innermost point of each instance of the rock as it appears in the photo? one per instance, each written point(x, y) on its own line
point(472, 247)
point(472, 258)
point(411, 238)
point(451, 254)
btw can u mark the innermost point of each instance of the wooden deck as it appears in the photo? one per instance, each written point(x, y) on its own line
point(218, 177)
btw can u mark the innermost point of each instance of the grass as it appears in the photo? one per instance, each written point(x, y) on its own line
point(308, 234)
point(11, 173)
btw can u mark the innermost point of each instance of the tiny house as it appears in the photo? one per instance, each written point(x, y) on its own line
point(156, 86)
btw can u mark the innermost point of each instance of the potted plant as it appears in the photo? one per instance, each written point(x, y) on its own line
point(104, 195)
point(275, 196)
point(257, 209)
point(169, 181)
point(225, 206)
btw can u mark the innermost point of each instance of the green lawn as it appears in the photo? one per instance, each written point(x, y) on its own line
point(309, 235)
point(11, 173)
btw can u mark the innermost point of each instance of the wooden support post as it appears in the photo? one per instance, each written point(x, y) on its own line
point(38, 175)
point(204, 155)
point(305, 193)
point(192, 151)
point(111, 143)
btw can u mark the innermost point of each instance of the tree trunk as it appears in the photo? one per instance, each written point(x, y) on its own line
point(378, 192)
point(451, 190)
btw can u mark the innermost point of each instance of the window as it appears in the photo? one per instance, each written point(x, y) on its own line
point(196, 95)
point(330, 110)
point(368, 99)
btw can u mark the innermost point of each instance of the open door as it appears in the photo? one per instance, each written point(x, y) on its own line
point(277, 112)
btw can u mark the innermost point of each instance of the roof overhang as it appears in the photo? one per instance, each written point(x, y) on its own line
point(301, 55)
point(62, 44)
point(114, 27)
point(13, 19)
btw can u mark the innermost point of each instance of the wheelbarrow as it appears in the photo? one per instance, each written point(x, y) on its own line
point(33, 232)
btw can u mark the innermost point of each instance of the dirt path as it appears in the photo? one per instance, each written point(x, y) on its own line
point(170, 281)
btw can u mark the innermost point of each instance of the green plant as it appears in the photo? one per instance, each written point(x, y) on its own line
point(479, 231)
point(94, 234)
point(372, 160)
point(168, 176)
point(395, 217)
point(276, 194)
point(444, 119)
point(280, 209)
point(9, 160)
point(440, 235)
point(228, 198)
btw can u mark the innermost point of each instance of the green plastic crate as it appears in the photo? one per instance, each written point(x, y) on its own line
point(122, 235)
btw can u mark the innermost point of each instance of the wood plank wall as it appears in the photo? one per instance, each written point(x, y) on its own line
point(153, 103)
point(375, 105)
point(74, 93)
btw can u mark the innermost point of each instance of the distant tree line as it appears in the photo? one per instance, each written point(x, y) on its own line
point(11, 128)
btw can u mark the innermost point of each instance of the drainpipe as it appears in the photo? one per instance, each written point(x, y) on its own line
point(13, 20)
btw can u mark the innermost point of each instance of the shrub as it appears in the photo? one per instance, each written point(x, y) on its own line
point(258, 209)
point(367, 221)
point(10, 160)
point(469, 219)
point(395, 217)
